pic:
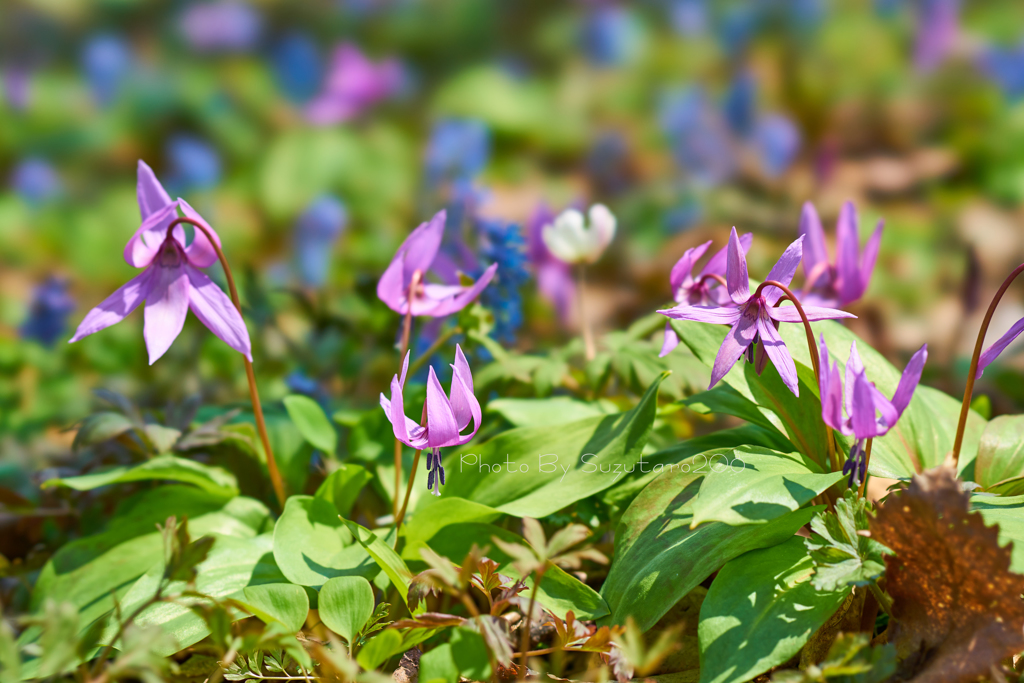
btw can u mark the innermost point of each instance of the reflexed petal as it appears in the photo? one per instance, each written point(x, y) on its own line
point(405, 368)
point(462, 365)
point(777, 351)
point(391, 288)
point(784, 270)
point(166, 308)
point(116, 306)
point(684, 266)
point(442, 428)
point(417, 252)
point(465, 407)
point(854, 367)
point(215, 310)
point(453, 304)
point(909, 380)
point(200, 253)
point(862, 410)
point(717, 263)
point(144, 245)
point(733, 346)
point(671, 341)
point(815, 251)
point(704, 314)
point(868, 259)
point(151, 194)
point(831, 390)
point(847, 254)
point(406, 430)
point(789, 314)
point(736, 271)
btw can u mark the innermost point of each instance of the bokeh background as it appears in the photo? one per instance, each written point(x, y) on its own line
point(314, 135)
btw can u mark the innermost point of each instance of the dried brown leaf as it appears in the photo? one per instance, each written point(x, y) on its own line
point(957, 607)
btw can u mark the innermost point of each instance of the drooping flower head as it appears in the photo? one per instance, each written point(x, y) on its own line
point(414, 258)
point(753, 316)
point(845, 280)
point(354, 84)
point(572, 241)
point(171, 283)
point(703, 290)
point(446, 416)
point(868, 413)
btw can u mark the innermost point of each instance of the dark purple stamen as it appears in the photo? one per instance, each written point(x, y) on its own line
point(752, 347)
point(856, 465)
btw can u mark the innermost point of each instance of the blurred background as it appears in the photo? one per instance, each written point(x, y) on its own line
point(315, 135)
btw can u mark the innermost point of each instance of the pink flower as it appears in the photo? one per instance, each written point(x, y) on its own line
point(354, 83)
point(446, 416)
point(753, 316)
point(702, 290)
point(414, 258)
point(845, 281)
point(171, 282)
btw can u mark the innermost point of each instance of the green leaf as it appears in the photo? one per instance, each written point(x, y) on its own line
point(539, 412)
point(342, 487)
point(284, 603)
point(658, 558)
point(438, 665)
point(312, 544)
point(759, 612)
point(466, 655)
point(385, 557)
point(551, 468)
point(841, 556)
point(381, 648)
point(1008, 513)
point(725, 400)
point(751, 485)
point(345, 605)
point(165, 467)
point(435, 515)
point(1000, 464)
point(851, 659)
point(311, 422)
point(100, 427)
point(162, 438)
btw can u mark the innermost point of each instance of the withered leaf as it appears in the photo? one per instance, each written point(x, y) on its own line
point(430, 620)
point(957, 608)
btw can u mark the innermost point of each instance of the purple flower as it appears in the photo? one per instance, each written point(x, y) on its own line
point(689, 18)
point(315, 233)
point(612, 36)
point(868, 412)
point(194, 163)
point(699, 136)
point(353, 85)
point(227, 26)
point(106, 60)
point(51, 305)
point(845, 281)
point(554, 276)
point(1005, 66)
point(414, 258)
point(446, 416)
point(703, 290)
point(171, 283)
point(777, 142)
point(17, 82)
point(753, 316)
point(992, 352)
point(36, 181)
point(937, 27)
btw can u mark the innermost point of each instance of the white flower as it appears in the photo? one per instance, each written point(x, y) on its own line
point(570, 241)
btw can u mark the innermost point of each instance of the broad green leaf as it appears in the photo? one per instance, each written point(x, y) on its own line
point(88, 572)
point(100, 427)
point(725, 400)
point(1008, 513)
point(465, 656)
point(751, 485)
point(285, 603)
point(345, 605)
point(658, 558)
point(439, 513)
point(380, 648)
point(539, 412)
point(385, 556)
point(165, 467)
point(232, 565)
point(842, 557)
point(312, 544)
point(535, 471)
point(559, 591)
point(311, 422)
point(759, 612)
point(1000, 464)
point(438, 665)
point(342, 487)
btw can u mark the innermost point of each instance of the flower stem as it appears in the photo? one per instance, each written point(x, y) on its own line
point(434, 348)
point(589, 349)
point(410, 294)
point(884, 601)
point(969, 389)
point(412, 478)
point(254, 396)
point(829, 442)
point(524, 642)
point(867, 462)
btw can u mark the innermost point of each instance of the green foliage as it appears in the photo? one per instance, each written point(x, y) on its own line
point(167, 467)
point(465, 655)
point(1000, 464)
point(843, 556)
point(311, 422)
point(312, 544)
point(342, 487)
point(851, 660)
point(345, 605)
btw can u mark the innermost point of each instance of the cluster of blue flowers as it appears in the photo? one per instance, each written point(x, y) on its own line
point(503, 243)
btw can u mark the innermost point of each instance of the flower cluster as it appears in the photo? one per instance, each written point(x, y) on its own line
point(503, 244)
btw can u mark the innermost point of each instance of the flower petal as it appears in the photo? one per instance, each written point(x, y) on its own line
point(684, 266)
point(442, 426)
point(848, 282)
point(117, 306)
point(862, 410)
point(215, 310)
point(151, 194)
point(909, 380)
point(453, 304)
point(777, 352)
point(789, 314)
point(831, 390)
point(417, 252)
point(144, 245)
point(671, 341)
point(602, 228)
point(464, 405)
point(733, 346)
point(815, 251)
point(854, 367)
point(720, 315)
point(406, 430)
point(200, 253)
point(784, 270)
point(166, 308)
point(717, 263)
point(736, 271)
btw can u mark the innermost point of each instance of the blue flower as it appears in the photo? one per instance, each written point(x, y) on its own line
point(699, 136)
point(297, 66)
point(1005, 66)
point(612, 36)
point(689, 17)
point(48, 315)
point(458, 149)
point(106, 61)
point(738, 25)
point(740, 104)
point(504, 244)
point(777, 141)
point(36, 181)
point(193, 163)
point(315, 233)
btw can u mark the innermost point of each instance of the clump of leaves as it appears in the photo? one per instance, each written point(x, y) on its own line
point(851, 659)
point(630, 655)
point(842, 555)
point(957, 609)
